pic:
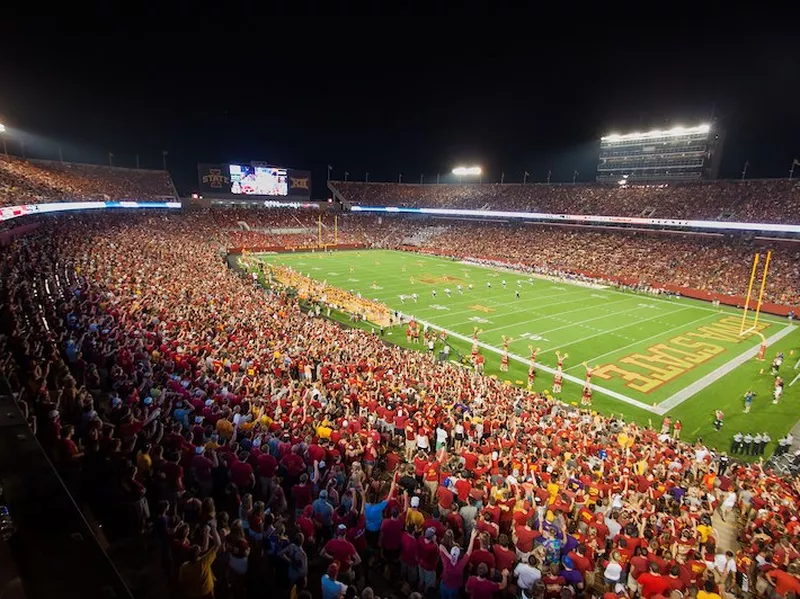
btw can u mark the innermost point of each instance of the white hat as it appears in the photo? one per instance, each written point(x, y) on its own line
point(415, 501)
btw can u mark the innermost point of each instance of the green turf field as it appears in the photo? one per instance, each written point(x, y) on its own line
point(652, 355)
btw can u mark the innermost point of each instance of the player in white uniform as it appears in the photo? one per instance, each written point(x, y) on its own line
point(447, 291)
point(460, 289)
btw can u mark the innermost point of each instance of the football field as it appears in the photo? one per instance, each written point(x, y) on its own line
point(651, 355)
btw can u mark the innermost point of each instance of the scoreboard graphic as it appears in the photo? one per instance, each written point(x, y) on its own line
point(256, 179)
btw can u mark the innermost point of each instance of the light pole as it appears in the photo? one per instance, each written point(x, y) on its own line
point(744, 169)
point(2, 131)
point(795, 163)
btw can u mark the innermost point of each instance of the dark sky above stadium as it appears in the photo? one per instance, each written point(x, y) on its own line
point(416, 96)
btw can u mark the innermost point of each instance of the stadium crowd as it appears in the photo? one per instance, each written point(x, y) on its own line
point(39, 181)
point(768, 200)
point(715, 264)
point(269, 450)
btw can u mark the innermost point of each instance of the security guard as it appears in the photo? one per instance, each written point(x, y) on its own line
point(736, 444)
point(765, 440)
point(756, 444)
point(783, 446)
point(723, 463)
point(748, 442)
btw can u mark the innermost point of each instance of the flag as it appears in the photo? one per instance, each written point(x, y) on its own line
point(527, 174)
point(796, 162)
point(330, 168)
point(347, 173)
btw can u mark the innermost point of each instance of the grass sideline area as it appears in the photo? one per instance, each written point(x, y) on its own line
point(652, 356)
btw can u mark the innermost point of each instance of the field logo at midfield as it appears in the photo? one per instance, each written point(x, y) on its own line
point(481, 308)
point(432, 280)
point(663, 362)
point(479, 320)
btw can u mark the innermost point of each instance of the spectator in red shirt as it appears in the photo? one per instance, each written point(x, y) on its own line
point(409, 568)
point(504, 554)
point(341, 550)
point(482, 555)
point(428, 559)
point(480, 587)
point(242, 473)
point(652, 582)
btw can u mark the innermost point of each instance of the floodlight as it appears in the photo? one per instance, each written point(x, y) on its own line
point(462, 171)
point(2, 128)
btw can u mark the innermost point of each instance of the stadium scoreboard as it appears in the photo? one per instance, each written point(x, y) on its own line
point(257, 180)
point(677, 154)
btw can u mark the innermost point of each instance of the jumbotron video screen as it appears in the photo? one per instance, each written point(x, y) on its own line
point(247, 179)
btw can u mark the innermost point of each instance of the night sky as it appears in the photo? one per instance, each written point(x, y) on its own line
point(386, 97)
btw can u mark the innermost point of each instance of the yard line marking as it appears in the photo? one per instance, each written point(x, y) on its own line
point(701, 383)
point(558, 315)
point(619, 349)
point(569, 377)
point(604, 331)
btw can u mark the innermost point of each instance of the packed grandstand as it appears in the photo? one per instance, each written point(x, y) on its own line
point(265, 450)
point(761, 201)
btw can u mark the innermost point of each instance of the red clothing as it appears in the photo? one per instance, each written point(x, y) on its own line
point(301, 495)
point(267, 465)
point(653, 584)
point(342, 551)
point(408, 554)
point(784, 583)
point(427, 554)
point(525, 538)
point(391, 534)
point(481, 588)
point(504, 558)
point(481, 556)
point(241, 473)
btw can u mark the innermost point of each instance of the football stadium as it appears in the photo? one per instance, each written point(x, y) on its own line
point(282, 381)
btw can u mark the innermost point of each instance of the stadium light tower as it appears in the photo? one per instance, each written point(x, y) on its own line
point(467, 171)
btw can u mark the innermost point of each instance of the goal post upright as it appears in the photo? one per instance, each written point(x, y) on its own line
point(763, 287)
point(749, 292)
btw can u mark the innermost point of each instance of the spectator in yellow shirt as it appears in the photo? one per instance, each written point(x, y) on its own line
point(195, 577)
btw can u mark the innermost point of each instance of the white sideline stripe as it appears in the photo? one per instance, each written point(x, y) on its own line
point(569, 377)
point(583, 307)
point(713, 376)
point(619, 349)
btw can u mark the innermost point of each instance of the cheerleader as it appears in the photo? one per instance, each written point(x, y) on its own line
point(504, 359)
point(475, 344)
point(532, 366)
point(561, 360)
point(557, 379)
point(586, 398)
